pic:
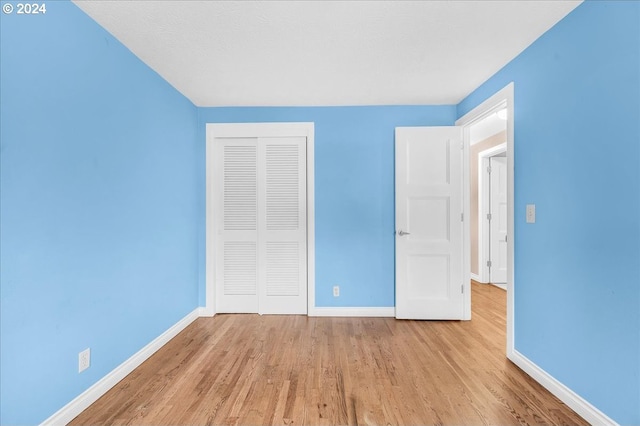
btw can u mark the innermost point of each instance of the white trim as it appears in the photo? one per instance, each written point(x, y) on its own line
point(311, 219)
point(210, 260)
point(499, 285)
point(202, 312)
point(487, 107)
point(254, 130)
point(466, 226)
point(89, 396)
point(353, 312)
point(474, 277)
point(483, 208)
point(494, 150)
point(578, 404)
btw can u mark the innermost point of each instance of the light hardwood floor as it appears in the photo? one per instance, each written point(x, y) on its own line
point(260, 370)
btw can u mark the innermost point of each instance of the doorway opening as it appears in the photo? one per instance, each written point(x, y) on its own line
point(488, 199)
point(491, 123)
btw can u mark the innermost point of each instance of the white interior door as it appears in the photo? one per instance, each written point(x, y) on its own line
point(429, 227)
point(260, 225)
point(498, 222)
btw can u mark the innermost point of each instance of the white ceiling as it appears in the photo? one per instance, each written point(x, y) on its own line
point(295, 53)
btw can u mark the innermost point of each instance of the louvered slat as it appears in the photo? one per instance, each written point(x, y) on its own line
point(283, 268)
point(240, 268)
point(240, 188)
point(282, 189)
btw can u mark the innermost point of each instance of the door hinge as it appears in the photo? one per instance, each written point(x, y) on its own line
point(489, 216)
point(462, 288)
point(462, 146)
point(489, 169)
point(489, 263)
point(461, 217)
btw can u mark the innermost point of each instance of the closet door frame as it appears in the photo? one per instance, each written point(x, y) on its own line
point(256, 130)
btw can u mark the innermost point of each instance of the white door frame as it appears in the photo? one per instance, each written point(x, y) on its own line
point(483, 209)
point(492, 104)
point(256, 130)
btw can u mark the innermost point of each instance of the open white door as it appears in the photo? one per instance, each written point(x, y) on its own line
point(498, 222)
point(429, 223)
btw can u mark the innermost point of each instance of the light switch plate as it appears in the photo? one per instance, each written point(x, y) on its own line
point(531, 213)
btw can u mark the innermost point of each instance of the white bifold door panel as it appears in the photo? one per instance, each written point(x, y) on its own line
point(260, 225)
point(429, 227)
point(236, 192)
point(498, 222)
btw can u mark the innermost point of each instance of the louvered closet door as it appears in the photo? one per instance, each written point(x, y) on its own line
point(260, 197)
point(282, 226)
point(236, 196)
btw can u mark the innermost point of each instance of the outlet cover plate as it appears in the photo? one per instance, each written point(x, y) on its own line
point(84, 360)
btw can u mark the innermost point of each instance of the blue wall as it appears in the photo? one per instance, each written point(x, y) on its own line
point(354, 192)
point(102, 204)
point(98, 208)
point(577, 157)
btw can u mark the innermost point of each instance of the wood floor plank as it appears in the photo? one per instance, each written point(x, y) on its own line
point(297, 370)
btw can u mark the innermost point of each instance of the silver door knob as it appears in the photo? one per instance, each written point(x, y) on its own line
point(402, 233)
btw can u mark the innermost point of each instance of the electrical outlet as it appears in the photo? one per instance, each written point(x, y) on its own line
point(84, 360)
point(336, 291)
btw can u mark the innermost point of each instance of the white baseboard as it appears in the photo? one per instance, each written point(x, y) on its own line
point(474, 277)
point(353, 312)
point(88, 397)
point(578, 404)
point(207, 312)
